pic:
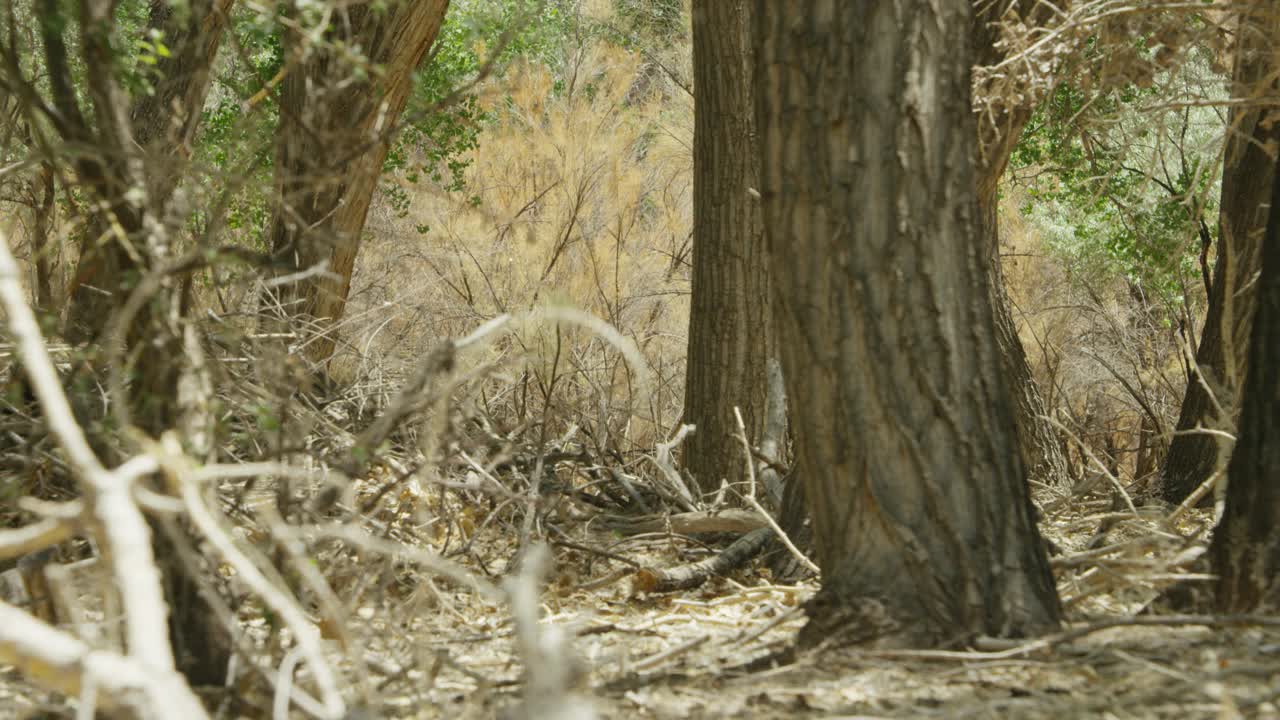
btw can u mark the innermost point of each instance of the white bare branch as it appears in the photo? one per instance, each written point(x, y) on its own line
point(113, 517)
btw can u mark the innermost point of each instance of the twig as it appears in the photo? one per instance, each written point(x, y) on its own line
point(114, 518)
point(662, 458)
point(58, 661)
point(33, 537)
point(304, 632)
point(658, 658)
point(751, 500)
point(1115, 482)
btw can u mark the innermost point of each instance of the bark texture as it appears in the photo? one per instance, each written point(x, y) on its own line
point(730, 336)
point(999, 127)
point(141, 144)
point(163, 126)
point(1222, 358)
point(333, 137)
point(1246, 545)
point(900, 410)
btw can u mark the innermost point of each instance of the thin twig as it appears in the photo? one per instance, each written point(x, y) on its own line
point(751, 500)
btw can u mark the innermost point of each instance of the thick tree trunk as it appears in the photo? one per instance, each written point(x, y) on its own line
point(163, 125)
point(1222, 358)
point(1246, 545)
point(901, 412)
point(1036, 438)
point(333, 137)
point(147, 143)
point(999, 126)
point(730, 336)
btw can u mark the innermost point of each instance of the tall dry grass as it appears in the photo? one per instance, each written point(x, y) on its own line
point(579, 195)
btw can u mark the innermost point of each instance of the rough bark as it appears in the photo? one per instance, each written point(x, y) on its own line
point(902, 417)
point(333, 137)
point(1245, 552)
point(1222, 358)
point(999, 126)
point(729, 329)
point(142, 144)
point(163, 126)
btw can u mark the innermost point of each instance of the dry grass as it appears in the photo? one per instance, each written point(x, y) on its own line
point(1103, 355)
point(584, 200)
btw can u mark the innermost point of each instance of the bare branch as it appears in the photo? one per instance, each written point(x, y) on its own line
point(58, 661)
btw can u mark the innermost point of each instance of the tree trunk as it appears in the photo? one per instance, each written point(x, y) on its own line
point(144, 144)
point(1245, 551)
point(1037, 440)
point(729, 329)
point(163, 125)
point(332, 140)
point(901, 413)
point(999, 126)
point(1222, 358)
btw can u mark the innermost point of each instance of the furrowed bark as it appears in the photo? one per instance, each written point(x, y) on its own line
point(1245, 552)
point(730, 333)
point(902, 416)
point(332, 140)
point(1222, 359)
point(999, 127)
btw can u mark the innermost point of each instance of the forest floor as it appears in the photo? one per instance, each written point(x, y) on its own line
point(435, 650)
point(684, 655)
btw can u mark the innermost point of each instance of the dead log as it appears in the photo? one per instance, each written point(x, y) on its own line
point(686, 577)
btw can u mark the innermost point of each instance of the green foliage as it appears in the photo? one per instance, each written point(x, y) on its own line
point(235, 142)
point(435, 146)
point(1124, 183)
point(136, 48)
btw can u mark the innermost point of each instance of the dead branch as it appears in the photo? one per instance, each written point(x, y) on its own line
point(112, 515)
point(739, 553)
point(58, 661)
point(725, 521)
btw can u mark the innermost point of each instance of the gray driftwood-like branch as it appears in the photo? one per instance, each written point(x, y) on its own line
point(115, 521)
point(685, 577)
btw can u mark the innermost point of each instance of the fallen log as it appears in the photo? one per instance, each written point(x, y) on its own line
point(685, 577)
point(689, 523)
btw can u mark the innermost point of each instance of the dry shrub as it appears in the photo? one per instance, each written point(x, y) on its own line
point(579, 195)
point(1108, 360)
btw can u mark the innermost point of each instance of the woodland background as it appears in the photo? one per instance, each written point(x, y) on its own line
point(421, 359)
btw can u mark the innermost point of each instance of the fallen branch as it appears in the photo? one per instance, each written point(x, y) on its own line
point(739, 553)
point(725, 521)
point(58, 661)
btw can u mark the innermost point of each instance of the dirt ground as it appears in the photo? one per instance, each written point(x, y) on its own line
point(434, 650)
